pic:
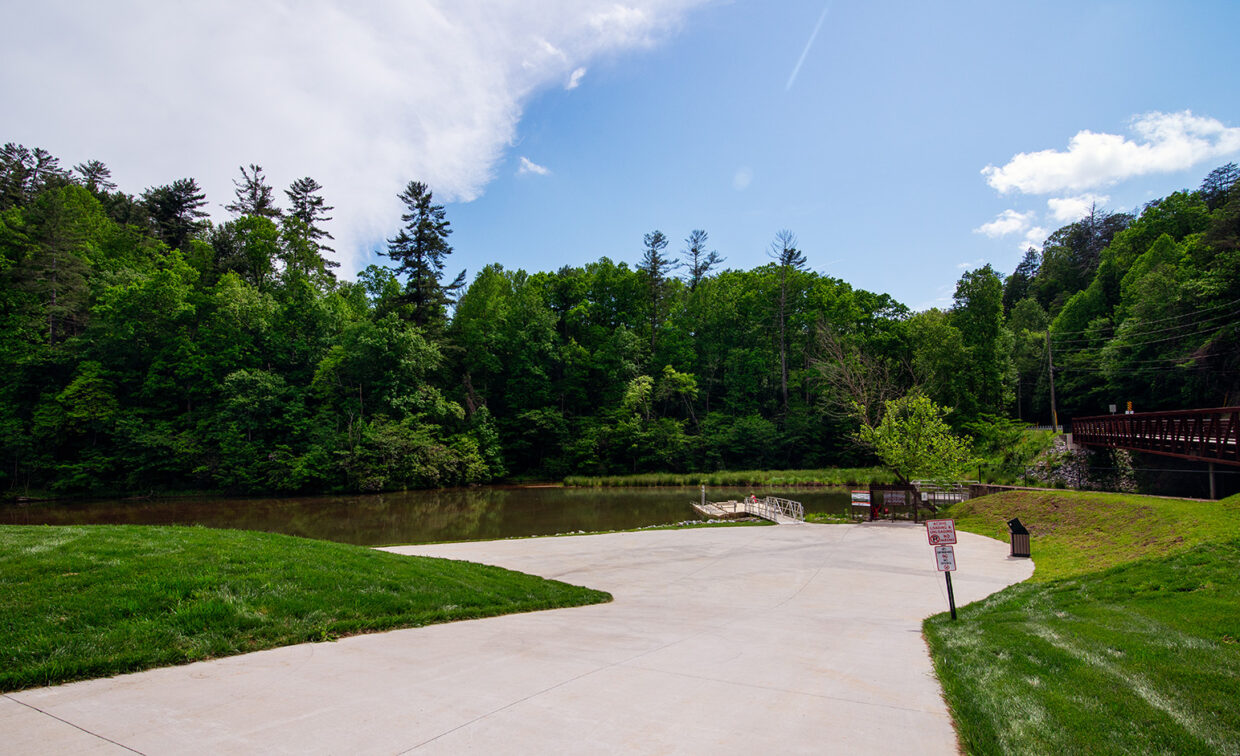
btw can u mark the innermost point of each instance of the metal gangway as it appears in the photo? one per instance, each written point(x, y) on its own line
point(773, 508)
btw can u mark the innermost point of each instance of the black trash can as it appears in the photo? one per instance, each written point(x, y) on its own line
point(1019, 536)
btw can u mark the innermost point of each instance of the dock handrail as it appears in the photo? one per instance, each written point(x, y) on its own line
point(772, 507)
point(769, 508)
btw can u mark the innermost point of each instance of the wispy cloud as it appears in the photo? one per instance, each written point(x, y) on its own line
point(1011, 222)
point(529, 166)
point(1164, 143)
point(1034, 237)
point(574, 79)
point(361, 96)
point(1069, 209)
point(1007, 222)
point(808, 44)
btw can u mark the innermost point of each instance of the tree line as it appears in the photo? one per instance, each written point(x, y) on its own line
point(147, 348)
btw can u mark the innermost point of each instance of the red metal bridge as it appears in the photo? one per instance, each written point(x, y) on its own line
point(1201, 435)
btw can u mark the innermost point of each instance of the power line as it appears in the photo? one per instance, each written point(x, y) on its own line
point(1116, 344)
point(1177, 327)
point(1198, 311)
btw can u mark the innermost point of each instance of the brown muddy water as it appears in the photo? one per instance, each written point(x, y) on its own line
point(418, 516)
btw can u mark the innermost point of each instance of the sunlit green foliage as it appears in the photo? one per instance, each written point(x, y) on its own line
point(146, 349)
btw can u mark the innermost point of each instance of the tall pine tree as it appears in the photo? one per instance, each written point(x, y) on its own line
point(419, 249)
point(700, 261)
point(790, 259)
point(176, 210)
point(656, 266)
point(254, 194)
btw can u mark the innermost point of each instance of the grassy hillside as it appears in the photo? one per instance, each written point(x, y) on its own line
point(1076, 532)
point(1125, 640)
point(83, 602)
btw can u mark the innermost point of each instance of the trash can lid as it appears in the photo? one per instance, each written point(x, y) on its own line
point(1015, 528)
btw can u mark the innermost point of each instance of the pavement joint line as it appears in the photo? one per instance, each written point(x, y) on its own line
point(75, 726)
point(623, 662)
point(774, 689)
point(548, 689)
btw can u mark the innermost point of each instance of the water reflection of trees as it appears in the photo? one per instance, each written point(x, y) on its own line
point(414, 516)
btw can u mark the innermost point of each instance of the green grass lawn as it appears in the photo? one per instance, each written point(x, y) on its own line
point(1124, 641)
point(92, 601)
point(832, 476)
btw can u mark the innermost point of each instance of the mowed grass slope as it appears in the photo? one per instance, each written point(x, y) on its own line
point(93, 601)
point(1126, 639)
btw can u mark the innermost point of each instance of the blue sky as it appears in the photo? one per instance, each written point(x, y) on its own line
point(873, 156)
point(667, 114)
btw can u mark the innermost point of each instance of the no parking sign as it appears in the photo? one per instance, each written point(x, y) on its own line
point(942, 534)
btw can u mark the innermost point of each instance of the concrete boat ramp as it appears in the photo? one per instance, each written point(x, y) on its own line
point(720, 640)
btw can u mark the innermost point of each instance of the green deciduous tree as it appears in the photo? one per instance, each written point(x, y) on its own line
point(914, 441)
point(978, 315)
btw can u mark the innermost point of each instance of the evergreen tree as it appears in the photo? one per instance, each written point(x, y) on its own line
point(1018, 284)
point(655, 266)
point(24, 173)
point(306, 205)
point(1219, 185)
point(419, 249)
point(63, 225)
point(176, 210)
point(700, 261)
point(95, 176)
point(254, 194)
point(790, 259)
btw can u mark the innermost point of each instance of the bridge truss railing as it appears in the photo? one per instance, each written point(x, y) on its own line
point(771, 506)
point(1203, 435)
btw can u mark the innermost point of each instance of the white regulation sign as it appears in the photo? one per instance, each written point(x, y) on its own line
point(945, 556)
point(941, 532)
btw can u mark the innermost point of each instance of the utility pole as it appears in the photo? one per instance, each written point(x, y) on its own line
point(1050, 369)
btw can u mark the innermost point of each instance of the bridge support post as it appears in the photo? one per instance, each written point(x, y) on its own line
point(1213, 495)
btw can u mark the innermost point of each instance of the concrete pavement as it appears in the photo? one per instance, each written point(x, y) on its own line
point(788, 639)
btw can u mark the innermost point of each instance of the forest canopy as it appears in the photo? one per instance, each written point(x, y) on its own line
point(147, 348)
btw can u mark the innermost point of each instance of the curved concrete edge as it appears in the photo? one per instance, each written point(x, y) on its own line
point(728, 640)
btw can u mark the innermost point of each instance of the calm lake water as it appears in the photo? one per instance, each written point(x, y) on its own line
point(418, 516)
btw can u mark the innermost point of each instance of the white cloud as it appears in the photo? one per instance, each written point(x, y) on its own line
point(742, 178)
point(1069, 209)
point(1165, 143)
point(529, 166)
point(1034, 237)
point(1007, 222)
point(574, 79)
point(363, 97)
